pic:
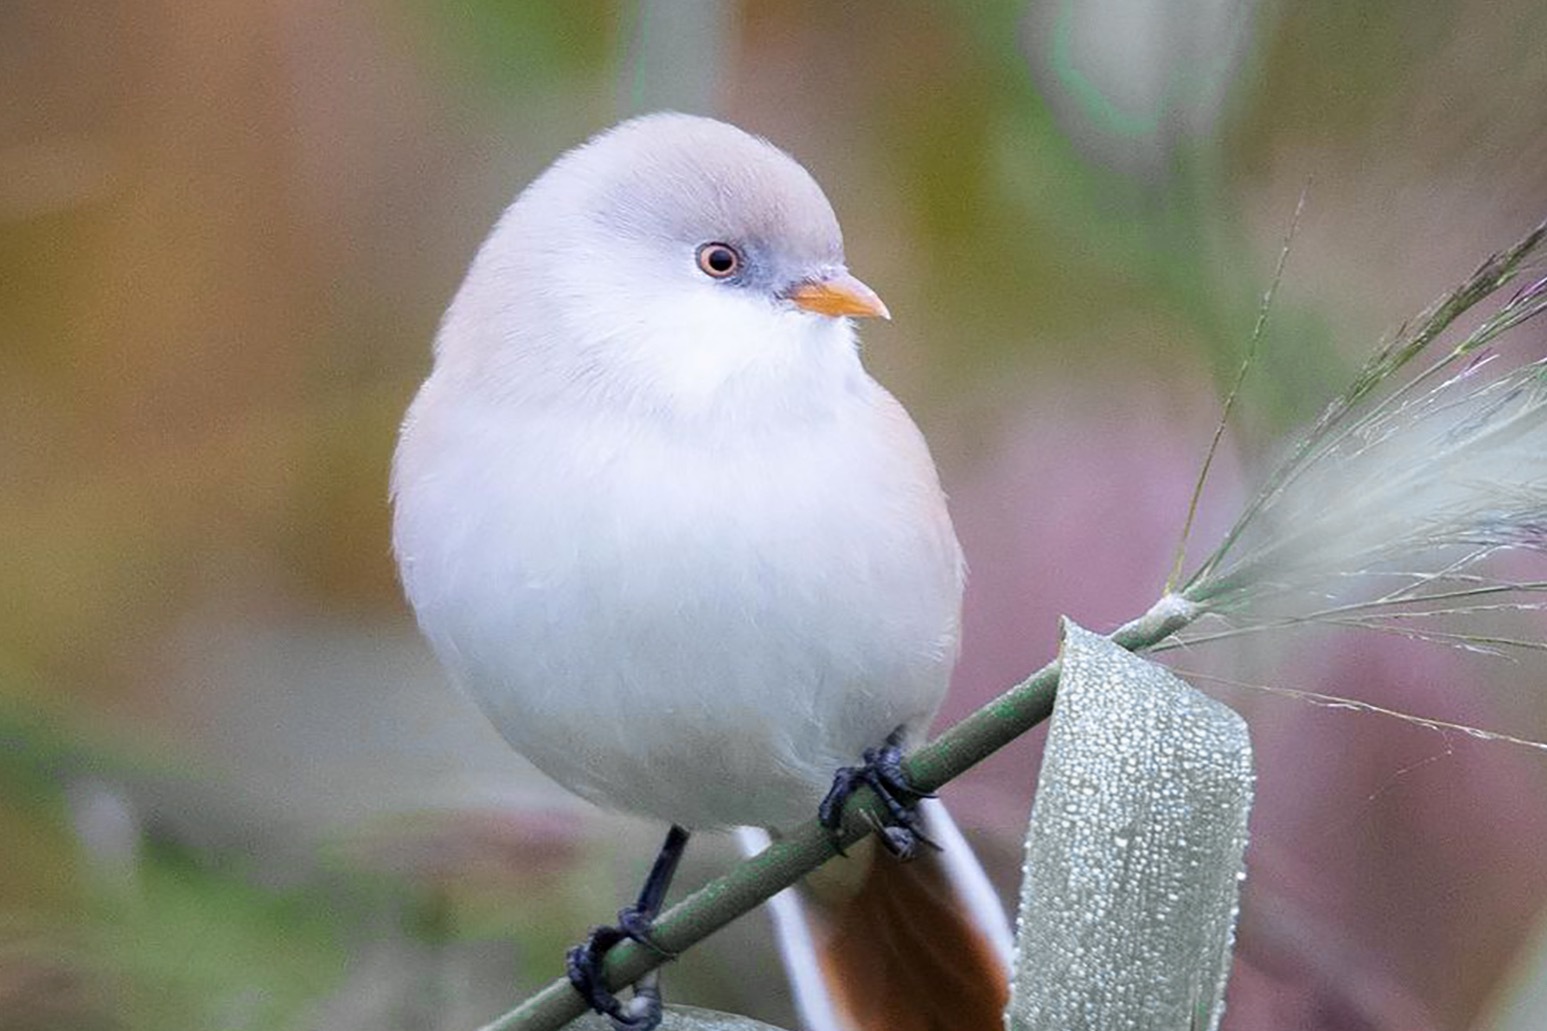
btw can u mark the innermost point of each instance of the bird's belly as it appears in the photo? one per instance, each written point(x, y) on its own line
point(701, 646)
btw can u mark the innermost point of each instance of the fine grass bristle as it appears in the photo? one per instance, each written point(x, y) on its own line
point(1384, 514)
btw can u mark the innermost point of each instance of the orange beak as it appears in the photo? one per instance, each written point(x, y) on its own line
point(841, 294)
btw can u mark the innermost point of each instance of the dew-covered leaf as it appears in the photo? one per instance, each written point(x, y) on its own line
point(1134, 854)
point(682, 1018)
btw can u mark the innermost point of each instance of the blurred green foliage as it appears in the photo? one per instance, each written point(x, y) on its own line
point(174, 942)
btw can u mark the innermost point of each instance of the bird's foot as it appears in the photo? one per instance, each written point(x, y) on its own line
point(902, 830)
point(583, 963)
point(583, 966)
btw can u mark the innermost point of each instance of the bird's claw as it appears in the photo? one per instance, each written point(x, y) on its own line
point(583, 967)
point(902, 831)
point(637, 925)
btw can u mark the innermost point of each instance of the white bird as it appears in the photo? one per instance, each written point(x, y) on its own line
point(654, 516)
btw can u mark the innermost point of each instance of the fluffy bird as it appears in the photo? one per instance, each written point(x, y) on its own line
point(689, 557)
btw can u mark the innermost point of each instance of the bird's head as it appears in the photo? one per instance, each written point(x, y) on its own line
point(673, 260)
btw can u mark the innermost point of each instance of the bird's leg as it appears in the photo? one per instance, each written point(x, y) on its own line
point(583, 964)
point(902, 831)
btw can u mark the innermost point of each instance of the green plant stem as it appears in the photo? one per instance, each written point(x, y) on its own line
point(753, 881)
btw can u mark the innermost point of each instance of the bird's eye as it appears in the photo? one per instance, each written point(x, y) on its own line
point(719, 260)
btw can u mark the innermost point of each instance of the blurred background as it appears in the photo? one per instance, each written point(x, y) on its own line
point(235, 790)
